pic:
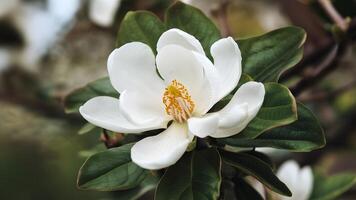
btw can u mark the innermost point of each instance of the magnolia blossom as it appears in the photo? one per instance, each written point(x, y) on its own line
point(102, 12)
point(298, 180)
point(180, 86)
point(41, 24)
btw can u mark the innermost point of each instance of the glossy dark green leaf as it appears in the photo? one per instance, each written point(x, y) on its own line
point(146, 185)
point(265, 57)
point(194, 22)
point(195, 176)
point(257, 168)
point(100, 87)
point(305, 134)
point(111, 170)
point(262, 157)
point(278, 109)
point(328, 188)
point(140, 26)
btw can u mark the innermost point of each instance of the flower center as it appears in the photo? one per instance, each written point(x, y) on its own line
point(178, 102)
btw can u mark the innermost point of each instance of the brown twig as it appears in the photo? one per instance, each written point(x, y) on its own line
point(111, 142)
point(328, 65)
point(222, 18)
point(334, 14)
point(318, 42)
point(328, 95)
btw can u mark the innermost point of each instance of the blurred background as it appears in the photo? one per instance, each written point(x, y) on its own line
point(51, 47)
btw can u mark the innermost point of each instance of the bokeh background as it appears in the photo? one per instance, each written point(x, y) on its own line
point(51, 47)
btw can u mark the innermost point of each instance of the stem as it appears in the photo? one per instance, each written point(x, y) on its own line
point(328, 95)
point(328, 65)
point(334, 14)
point(222, 18)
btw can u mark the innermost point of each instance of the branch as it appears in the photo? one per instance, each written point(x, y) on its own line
point(222, 18)
point(111, 142)
point(328, 95)
point(328, 65)
point(334, 14)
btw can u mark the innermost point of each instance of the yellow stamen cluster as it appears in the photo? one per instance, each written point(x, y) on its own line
point(178, 102)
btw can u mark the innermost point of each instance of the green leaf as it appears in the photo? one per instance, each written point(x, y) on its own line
point(303, 135)
point(195, 176)
point(87, 128)
point(140, 26)
point(265, 57)
point(100, 87)
point(279, 108)
point(257, 168)
point(328, 188)
point(111, 170)
point(263, 157)
point(194, 22)
point(146, 185)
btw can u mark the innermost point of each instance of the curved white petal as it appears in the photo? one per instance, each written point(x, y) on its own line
point(180, 38)
point(231, 117)
point(132, 67)
point(102, 12)
point(242, 108)
point(177, 63)
point(252, 93)
point(227, 62)
point(104, 112)
point(162, 150)
point(141, 107)
point(204, 126)
point(257, 185)
point(305, 184)
point(288, 173)
point(219, 124)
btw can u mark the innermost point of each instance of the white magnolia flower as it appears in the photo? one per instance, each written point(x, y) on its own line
point(190, 85)
point(102, 12)
point(207, 6)
point(298, 180)
point(41, 25)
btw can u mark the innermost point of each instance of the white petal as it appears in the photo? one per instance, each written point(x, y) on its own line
point(102, 12)
point(104, 112)
point(177, 63)
point(162, 150)
point(257, 185)
point(132, 67)
point(288, 173)
point(236, 115)
point(242, 108)
point(219, 124)
point(252, 93)
point(203, 126)
point(141, 107)
point(305, 184)
point(180, 38)
point(227, 62)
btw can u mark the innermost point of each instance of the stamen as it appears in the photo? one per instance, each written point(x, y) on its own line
point(178, 102)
